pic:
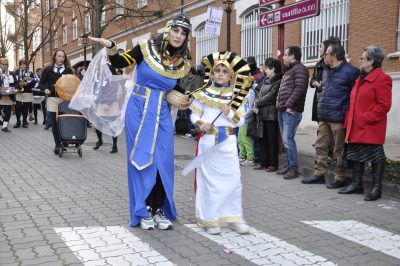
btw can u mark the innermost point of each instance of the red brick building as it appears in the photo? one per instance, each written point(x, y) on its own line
point(358, 23)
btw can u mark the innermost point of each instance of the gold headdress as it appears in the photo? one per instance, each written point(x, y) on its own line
point(172, 63)
point(239, 70)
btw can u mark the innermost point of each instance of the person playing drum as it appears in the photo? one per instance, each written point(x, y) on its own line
point(7, 92)
point(25, 83)
point(38, 98)
point(47, 81)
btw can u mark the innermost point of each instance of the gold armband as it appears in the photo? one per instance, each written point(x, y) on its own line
point(112, 50)
point(199, 123)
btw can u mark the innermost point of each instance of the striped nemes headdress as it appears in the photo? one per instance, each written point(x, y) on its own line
point(238, 68)
point(183, 21)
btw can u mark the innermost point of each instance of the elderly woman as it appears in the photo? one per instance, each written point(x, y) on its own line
point(366, 122)
point(265, 108)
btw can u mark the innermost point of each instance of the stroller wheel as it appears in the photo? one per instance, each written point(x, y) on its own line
point(80, 152)
point(61, 153)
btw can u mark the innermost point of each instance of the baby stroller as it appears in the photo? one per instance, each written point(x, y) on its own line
point(72, 129)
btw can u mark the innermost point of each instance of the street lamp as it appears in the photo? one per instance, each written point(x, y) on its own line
point(228, 9)
point(84, 41)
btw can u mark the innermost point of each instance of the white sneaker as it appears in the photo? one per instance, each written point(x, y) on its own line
point(240, 227)
point(247, 163)
point(242, 160)
point(147, 223)
point(215, 230)
point(161, 220)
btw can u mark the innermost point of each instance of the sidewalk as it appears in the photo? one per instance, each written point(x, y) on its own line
point(306, 138)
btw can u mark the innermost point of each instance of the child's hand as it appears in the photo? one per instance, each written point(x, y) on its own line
point(225, 109)
point(255, 110)
point(206, 127)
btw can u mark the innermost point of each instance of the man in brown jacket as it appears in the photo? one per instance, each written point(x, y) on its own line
point(290, 105)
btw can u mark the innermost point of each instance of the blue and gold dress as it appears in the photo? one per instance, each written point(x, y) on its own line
point(148, 125)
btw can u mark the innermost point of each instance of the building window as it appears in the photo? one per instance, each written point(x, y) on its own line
point(398, 33)
point(36, 39)
point(141, 3)
point(120, 7)
point(332, 21)
point(31, 4)
point(74, 26)
point(47, 6)
point(21, 51)
point(64, 31)
point(103, 17)
point(255, 41)
point(87, 22)
point(205, 44)
point(55, 40)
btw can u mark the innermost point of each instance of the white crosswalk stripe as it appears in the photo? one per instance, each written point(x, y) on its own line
point(262, 249)
point(363, 234)
point(110, 245)
point(116, 245)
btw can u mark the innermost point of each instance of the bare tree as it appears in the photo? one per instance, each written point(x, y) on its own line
point(30, 33)
point(104, 12)
point(6, 32)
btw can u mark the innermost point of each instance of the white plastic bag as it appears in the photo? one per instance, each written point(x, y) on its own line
point(102, 97)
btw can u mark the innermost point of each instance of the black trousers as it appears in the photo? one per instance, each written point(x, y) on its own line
point(30, 108)
point(36, 106)
point(157, 195)
point(7, 112)
point(54, 127)
point(269, 144)
point(100, 137)
point(22, 108)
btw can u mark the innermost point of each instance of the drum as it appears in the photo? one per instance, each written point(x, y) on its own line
point(37, 99)
point(66, 86)
point(8, 90)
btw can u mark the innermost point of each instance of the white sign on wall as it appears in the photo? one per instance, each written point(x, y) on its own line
point(214, 20)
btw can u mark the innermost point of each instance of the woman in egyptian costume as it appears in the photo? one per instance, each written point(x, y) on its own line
point(218, 185)
point(160, 63)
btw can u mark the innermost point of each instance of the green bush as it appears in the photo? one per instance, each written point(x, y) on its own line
point(392, 171)
point(391, 174)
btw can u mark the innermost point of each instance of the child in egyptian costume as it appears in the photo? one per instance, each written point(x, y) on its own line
point(149, 129)
point(217, 110)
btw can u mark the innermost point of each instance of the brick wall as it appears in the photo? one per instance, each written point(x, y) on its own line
point(374, 22)
point(370, 22)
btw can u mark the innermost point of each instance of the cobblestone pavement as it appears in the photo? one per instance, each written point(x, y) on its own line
point(74, 211)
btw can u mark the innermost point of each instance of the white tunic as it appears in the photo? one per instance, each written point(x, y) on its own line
point(219, 189)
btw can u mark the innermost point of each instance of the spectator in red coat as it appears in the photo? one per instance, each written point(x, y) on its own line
point(366, 122)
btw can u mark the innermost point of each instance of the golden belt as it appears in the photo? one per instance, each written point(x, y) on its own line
point(215, 130)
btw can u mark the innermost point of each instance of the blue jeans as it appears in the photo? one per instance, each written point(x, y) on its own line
point(288, 124)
